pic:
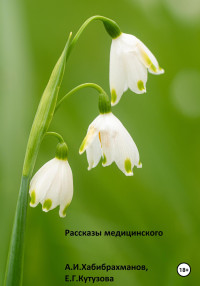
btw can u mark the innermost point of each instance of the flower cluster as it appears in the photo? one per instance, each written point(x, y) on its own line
point(106, 138)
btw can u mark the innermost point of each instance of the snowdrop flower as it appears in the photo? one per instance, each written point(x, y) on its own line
point(52, 185)
point(108, 138)
point(129, 61)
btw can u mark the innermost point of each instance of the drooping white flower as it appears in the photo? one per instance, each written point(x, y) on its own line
point(129, 61)
point(52, 185)
point(108, 138)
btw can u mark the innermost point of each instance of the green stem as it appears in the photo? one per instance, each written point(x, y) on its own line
point(77, 88)
point(58, 136)
point(14, 268)
point(111, 27)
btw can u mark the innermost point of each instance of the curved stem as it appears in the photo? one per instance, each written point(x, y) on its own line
point(111, 27)
point(58, 136)
point(77, 88)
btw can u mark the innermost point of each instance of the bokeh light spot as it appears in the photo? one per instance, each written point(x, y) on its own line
point(187, 11)
point(185, 92)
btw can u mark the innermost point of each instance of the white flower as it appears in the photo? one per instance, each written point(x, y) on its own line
point(52, 185)
point(129, 61)
point(108, 138)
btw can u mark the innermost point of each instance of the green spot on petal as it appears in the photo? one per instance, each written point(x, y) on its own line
point(87, 139)
point(140, 85)
point(127, 165)
point(146, 57)
point(33, 197)
point(113, 96)
point(153, 68)
point(104, 159)
point(65, 210)
point(148, 62)
point(47, 204)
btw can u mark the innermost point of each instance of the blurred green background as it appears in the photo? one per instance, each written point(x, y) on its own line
point(164, 123)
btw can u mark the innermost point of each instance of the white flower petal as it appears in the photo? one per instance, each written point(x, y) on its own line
point(104, 125)
point(136, 73)
point(41, 181)
point(107, 147)
point(126, 154)
point(94, 152)
point(92, 143)
point(91, 134)
point(88, 139)
point(40, 172)
point(51, 199)
point(66, 192)
point(118, 82)
point(128, 43)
